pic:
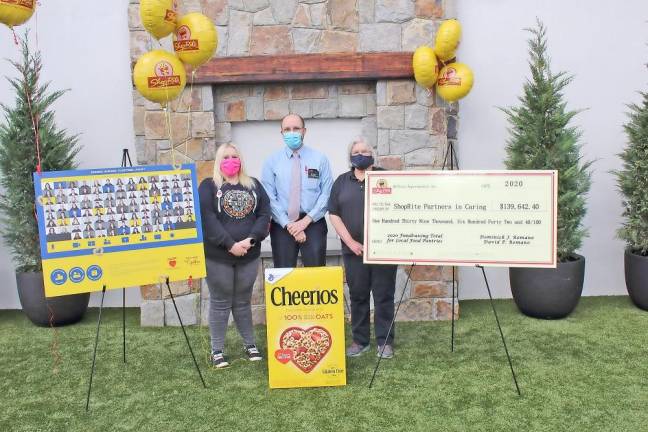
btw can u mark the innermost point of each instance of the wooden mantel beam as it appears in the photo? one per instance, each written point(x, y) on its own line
point(306, 67)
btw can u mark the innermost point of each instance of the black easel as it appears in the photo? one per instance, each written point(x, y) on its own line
point(391, 325)
point(185, 333)
point(450, 152)
point(94, 352)
point(508, 356)
point(125, 159)
point(454, 164)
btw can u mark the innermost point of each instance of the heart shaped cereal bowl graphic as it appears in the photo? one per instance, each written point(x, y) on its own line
point(304, 347)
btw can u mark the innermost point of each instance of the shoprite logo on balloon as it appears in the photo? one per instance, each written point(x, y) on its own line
point(171, 15)
point(184, 42)
point(23, 3)
point(450, 77)
point(164, 76)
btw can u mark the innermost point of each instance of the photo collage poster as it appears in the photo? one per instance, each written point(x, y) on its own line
point(113, 211)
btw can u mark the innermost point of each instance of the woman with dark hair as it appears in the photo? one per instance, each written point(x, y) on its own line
point(235, 216)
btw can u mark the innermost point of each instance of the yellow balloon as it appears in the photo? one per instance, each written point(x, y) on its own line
point(426, 66)
point(195, 39)
point(448, 57)
point(454, 82)
point(447, 39)
point(159, 76)
point(16, 12)
point(159, 17)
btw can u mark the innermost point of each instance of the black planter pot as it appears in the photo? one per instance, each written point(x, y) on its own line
point(64, 309)
point(548, 293)
point(636, 276)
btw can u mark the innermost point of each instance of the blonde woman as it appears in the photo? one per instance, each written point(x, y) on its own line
point(235, 216)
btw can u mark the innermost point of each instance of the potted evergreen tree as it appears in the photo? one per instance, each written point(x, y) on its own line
point(32, 116)
point(633, 184)
point(541, 138)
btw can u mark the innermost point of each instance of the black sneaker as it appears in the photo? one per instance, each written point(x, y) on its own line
point(218, 359)
point(252, 353)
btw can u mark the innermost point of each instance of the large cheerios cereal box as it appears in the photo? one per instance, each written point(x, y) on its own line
point(305, 324)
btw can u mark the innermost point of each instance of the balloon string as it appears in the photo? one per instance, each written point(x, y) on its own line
point(186, 108)
point(167, 115)
point(204, 331)
point(36, 22)
point(54, 346)
point(34, 120)
point(36, 134)
point(189, 120)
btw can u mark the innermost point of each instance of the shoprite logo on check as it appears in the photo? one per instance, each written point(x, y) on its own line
point(381, 187)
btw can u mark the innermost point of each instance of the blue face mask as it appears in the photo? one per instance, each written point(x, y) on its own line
point(293, 140)
point(361, 161)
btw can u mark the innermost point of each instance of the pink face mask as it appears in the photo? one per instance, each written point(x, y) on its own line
point(230, 167)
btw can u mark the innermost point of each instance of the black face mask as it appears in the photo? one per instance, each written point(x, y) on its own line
point(361, 161)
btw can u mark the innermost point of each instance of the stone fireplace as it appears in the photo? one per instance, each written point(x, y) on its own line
point(322, 59)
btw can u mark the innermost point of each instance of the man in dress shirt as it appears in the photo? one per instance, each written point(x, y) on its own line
point(298, 182)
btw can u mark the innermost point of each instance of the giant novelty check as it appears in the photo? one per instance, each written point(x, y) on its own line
point(490, 218)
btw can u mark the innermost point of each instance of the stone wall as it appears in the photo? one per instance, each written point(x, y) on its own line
point(409, 127)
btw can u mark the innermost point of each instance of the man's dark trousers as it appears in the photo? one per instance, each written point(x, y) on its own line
point(285, 248)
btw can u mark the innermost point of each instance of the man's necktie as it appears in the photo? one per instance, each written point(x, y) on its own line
point(294, 201)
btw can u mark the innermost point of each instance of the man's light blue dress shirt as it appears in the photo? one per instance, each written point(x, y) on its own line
point(316, 182)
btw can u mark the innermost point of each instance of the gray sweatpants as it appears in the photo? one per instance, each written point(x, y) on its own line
point(230, 290)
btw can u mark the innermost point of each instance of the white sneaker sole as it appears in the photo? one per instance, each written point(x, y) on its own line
point(359, 353)
point(384, 355)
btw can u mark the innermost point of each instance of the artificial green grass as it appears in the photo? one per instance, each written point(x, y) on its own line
point(588, 372)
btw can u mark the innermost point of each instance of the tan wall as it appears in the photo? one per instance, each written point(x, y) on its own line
point(409, 127)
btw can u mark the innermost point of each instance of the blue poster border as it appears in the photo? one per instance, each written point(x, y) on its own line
point(40, 212)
